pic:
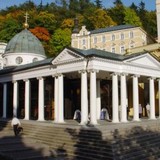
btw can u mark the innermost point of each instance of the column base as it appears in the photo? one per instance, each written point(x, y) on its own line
point(42, 120)
point(136, 120)
point(59, 122)
point(124, 121)
point(115, 121)
point(26, 119)
point(153, 118)
point(84, 123)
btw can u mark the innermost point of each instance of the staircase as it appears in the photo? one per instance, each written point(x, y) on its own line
point(70, 141)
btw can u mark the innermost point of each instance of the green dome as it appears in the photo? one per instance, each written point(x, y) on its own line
point(25, 42)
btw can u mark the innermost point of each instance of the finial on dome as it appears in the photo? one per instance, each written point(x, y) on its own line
point(26, 25)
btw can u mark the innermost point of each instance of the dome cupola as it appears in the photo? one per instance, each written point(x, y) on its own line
point(23, 48)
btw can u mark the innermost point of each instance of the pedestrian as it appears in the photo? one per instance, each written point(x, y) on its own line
point(140, 111)
point(148, 109)
point(15, 123)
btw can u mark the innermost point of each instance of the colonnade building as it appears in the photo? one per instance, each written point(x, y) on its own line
point(33, 87)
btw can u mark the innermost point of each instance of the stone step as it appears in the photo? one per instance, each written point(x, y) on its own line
point(90, 143)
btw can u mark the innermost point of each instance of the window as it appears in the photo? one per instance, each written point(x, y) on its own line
point(19, 60)
point(131, 34)
point(122, 36)
point(95, 39)
point(131, 45)
point(83, 33)
point(113, 37)
point(35, 59)
point(83, 42)
point(113, 50)
point(103, 39)
point(122, 49)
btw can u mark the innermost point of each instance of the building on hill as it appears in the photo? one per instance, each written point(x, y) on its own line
point(115, 39)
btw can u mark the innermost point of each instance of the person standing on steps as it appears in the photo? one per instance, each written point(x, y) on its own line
point(148, 110)
point(15, 123)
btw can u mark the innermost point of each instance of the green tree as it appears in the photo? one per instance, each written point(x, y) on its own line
point(10, 28)
point(98, 3)
point(118, 2)
point(59, 40)
point(46, 20)
point(134, 7)
point(117, 12)
point(131, 17)
point(150, 24)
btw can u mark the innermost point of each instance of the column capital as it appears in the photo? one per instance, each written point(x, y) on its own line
point(40, 78)
point(82, 71)
point(123, 74)
point(14, 81)
point(25, 80)
point(56, 75)
point(115, 73)
point(135, 75)
point(92, 70)
point(151, 78)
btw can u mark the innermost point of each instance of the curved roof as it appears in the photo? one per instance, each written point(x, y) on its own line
point(25, 42)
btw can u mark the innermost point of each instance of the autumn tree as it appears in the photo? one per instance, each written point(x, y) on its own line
point(67, 23)
point(41, 33)
point(100, 19)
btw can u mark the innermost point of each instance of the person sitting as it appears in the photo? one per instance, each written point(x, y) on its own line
point(104, 114)
point(77, 115)
point(15, 123)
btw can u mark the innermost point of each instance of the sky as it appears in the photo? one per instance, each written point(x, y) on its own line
point(149, 4)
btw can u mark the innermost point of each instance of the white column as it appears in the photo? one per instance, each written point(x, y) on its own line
point(84, 98)
point(152, 98)
point(115, 101)
point(93, 96)
point(15, 98)
point(27, 99)
point(4, 100)
point(159, 95)
point(55, 99)
point(123, 98)
point(135, 99)
point(41, 99)
point(60, 99)
point(98, 99)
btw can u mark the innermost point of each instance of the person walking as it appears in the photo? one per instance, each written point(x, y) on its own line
point(148, 109)
point(140, 111)
point(15, 123)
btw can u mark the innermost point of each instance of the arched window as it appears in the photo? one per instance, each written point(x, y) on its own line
point(122, 36)
point(113, 37)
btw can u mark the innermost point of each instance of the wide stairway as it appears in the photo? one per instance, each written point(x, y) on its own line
point(70, 141)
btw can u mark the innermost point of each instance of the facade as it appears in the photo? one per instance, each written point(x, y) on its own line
point(115, 39)
point(82, 79)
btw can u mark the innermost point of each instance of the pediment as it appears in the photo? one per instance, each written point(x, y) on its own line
point(145, 60)
point(66, 56)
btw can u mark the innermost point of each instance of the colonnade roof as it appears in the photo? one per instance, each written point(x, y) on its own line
point(144, 59)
